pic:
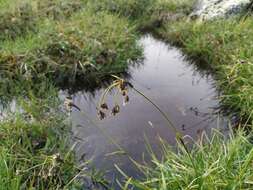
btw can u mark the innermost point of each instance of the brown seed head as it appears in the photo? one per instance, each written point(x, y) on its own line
point(104, 106)
point(115, 110)
point(101, 115)
point(124, 93)
point(123, 85)
point(126, 99)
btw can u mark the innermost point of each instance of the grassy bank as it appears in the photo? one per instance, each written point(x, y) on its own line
point(44, 45)
point(213, 163)
point(19, 17)
point(145, 14)
point(33, 148)
point(64, 40)
point(224, 45)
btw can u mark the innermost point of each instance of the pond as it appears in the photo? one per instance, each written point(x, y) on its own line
point(183, 91)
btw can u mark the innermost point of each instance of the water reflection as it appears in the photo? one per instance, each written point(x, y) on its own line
point(177, 87)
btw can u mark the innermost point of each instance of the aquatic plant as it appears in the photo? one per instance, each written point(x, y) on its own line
point(122, 86)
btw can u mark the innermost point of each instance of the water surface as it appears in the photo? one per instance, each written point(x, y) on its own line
point(186, 94)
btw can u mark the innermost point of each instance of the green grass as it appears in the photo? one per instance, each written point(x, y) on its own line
point(16, 18)
point(126, 8)
point(28, 43)
point(33, 148)
point(214, 163)
point(22, 16)
point(41, 43)
point(219, 162)
point(134, 9)
point(63, 39)
point(67, 49)
point(24, 164)
point(144, 13)
point(224, 46)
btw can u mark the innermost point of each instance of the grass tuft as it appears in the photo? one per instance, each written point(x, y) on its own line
point(33, 148)
point(224, 45)
point(219, 163)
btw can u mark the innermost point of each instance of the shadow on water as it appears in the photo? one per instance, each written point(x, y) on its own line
point(183, 90)
point(95, 80)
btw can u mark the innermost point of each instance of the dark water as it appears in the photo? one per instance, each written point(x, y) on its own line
point(177, 87)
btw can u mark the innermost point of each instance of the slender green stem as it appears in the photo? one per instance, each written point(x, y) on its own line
point(178, 134)
point(159, 109)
